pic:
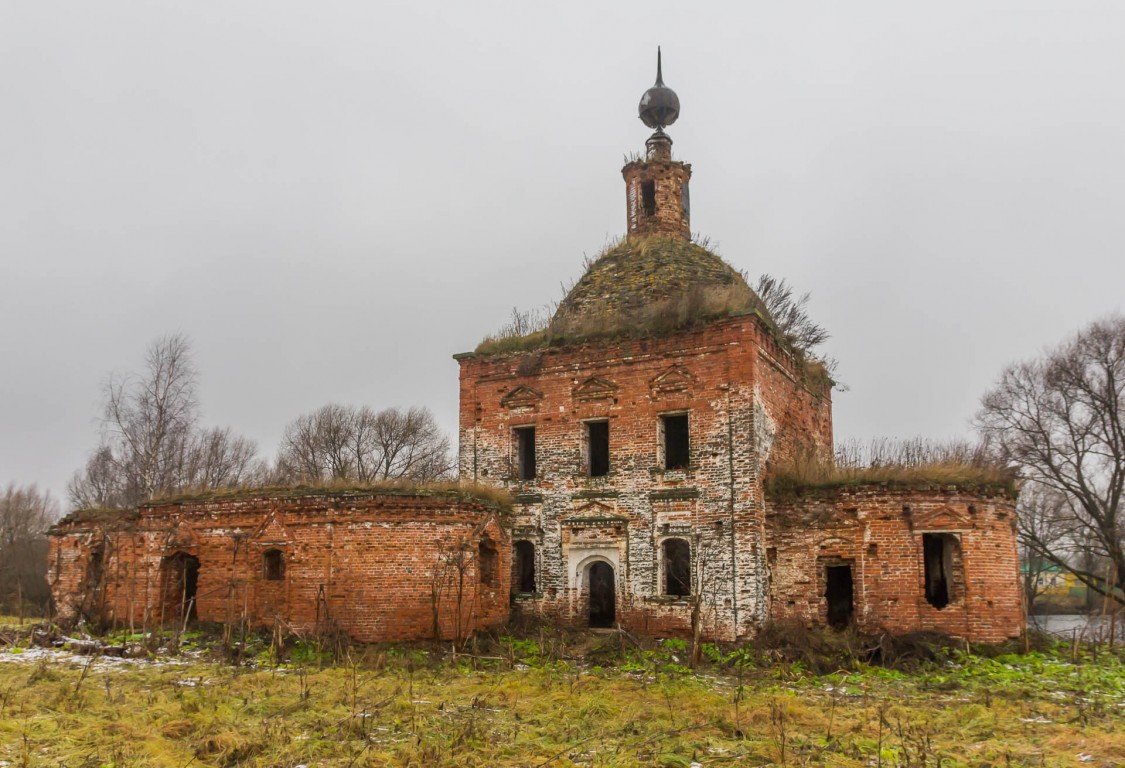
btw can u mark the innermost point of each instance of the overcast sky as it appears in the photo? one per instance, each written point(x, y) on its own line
point(332, 198)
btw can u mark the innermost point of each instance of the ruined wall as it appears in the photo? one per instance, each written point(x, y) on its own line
point(879, 533)
point(370, 563)
point(794, 413)
point(624, 518)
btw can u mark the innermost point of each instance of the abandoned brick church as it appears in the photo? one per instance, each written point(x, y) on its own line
point(636, 436)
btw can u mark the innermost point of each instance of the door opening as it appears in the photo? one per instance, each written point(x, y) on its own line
point(838, 592)
point(181, 582)
point(603, 595)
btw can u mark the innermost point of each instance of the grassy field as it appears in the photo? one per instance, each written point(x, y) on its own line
point(539, 703)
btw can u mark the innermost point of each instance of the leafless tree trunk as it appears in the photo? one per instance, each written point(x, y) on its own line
point(702, 589)
point(1061, 420)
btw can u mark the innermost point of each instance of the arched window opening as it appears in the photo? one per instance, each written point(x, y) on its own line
point(486, 563)
point(525, 567)
point(677, 568)
point(273, 565)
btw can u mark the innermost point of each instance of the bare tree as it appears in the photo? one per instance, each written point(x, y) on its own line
point(151, 442)
point(790, 314)
point(358, 444)
point(25, 515)
point(1061, 420)
point(217, 458)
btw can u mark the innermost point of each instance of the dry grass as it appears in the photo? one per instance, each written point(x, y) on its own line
point(914, 463)
point(520, 707)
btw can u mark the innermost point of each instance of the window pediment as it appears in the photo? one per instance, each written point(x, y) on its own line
point(271, 531)
point(676, 379)
point(942, 519)
point(521, 397)
point(594, 388)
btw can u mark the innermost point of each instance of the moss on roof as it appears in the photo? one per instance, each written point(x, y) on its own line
point(642, 286)
point(496, 498)
point(786, 483)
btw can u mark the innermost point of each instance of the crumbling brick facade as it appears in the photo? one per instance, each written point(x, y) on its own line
point(378, 566)
point(744, 398)
point(879, 535)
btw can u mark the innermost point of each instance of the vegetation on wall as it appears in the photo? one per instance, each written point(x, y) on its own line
point(915, 463)
point(492, 496)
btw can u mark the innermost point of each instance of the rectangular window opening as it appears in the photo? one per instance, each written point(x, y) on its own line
point(525, 567)
point(676, 448)
point(648, 197)
point(597, 440)
point(937, 555)
point(677, 567)
point(525, 453)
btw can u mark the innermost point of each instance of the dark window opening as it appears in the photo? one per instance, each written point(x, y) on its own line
point(525, 566)
point(685, 198)
point(937, 557)
point(486, 562)
point(525, 453)
point(181, 582)
point(648, 197)
point(677, 567)
point(676, 449)
point(597, 437)
point(603, 595)
point(273, 565)
point(838, 592)
point(94, 568)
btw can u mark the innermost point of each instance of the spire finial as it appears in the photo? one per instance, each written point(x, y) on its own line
point(659, 105)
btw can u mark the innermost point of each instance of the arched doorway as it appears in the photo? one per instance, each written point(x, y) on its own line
point(603, 595)
point(181, 581)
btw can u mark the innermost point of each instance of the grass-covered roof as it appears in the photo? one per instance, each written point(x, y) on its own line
point(641, 286)
point(491, 496)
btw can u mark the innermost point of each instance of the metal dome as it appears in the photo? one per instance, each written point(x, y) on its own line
point(660, 106)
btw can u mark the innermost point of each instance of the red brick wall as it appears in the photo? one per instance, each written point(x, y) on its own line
point(714, 373)
point(879, 532)
point(370, 562)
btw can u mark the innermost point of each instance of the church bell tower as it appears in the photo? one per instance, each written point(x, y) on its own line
point(656, 188)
